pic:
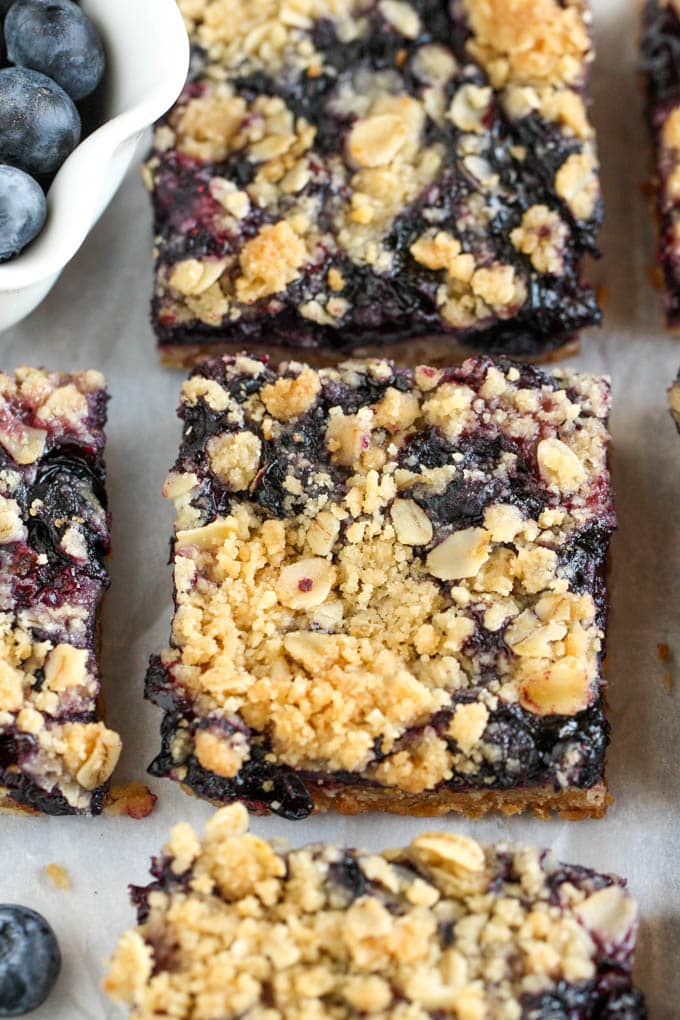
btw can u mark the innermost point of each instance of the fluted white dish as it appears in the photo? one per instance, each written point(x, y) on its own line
point(147, 62)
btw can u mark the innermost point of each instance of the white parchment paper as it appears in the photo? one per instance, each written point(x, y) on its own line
point(97, 316)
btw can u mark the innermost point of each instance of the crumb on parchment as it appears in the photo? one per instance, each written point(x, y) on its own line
point(58, 875)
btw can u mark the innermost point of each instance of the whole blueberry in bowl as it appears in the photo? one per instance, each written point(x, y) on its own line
point(39, 123)
point(29, 960)
point(57, 38)
point(147, 60)
point(23, 211)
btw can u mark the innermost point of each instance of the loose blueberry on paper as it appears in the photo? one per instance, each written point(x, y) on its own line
point(59, 60)
point(57, 38)
point(29, 960)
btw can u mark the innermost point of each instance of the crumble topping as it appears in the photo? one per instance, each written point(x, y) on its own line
point(529, 42)
point(321, 146)
point(374, 566)
point(542, 235)
point(577, 183)
point(269, 262)
point(273, 33)
point(54, 532)
point(469, 293)
point(233, 925)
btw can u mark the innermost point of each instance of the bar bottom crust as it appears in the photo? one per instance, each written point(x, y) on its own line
point(419, 351)
point(541, 801)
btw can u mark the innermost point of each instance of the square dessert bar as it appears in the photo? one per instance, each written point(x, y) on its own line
point(236, 926)
point(56, 755)
point(344, 175)
point(661, 65)
point(389, 589)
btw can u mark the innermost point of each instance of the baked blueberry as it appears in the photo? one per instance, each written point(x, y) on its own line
point(39, 123)
point(29, 960)
point(59, 39)
point(22, 211)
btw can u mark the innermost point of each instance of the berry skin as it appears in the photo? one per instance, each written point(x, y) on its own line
point(29, 960)
point(4, 7)
point(39, 124)
point(57, 38)
point(22, 211)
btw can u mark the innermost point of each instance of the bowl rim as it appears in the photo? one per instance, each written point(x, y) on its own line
point(94, 154)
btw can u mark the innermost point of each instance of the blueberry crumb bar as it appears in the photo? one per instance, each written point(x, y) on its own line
point(236, 926)
point(345, 175)
point(661, 67)
point(56, 754)
point(389, 589)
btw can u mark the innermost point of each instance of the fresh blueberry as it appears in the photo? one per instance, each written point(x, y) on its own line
point(22, 211)
point(57, 38)
point(29, 960)
point(39, 124)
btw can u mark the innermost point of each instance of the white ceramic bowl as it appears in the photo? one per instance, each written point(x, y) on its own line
point(147, 62)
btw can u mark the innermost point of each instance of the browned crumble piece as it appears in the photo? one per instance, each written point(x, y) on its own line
point(235, 926)
point(344, 175)
point(132, 799)
point(389, 589)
